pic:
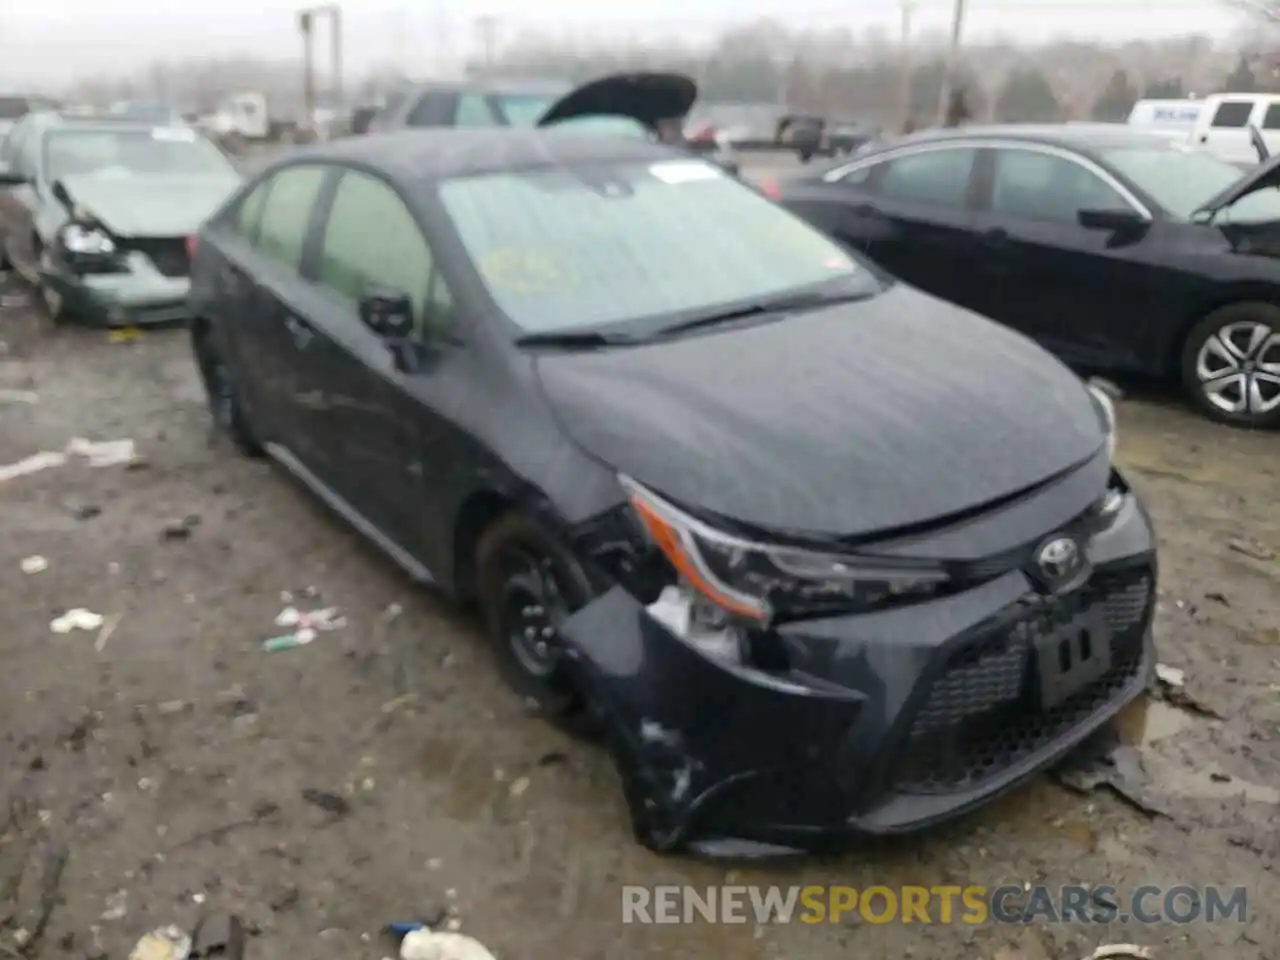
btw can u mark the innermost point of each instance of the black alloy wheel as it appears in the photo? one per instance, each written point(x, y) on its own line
point(1231, 365)
point(225, 403)
point(528, 585)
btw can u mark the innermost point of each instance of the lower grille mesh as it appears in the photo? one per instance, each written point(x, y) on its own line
point(980, 716)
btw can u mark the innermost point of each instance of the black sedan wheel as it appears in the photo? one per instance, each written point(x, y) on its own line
point(1231, 365)
point(528, 584)
point(225, 403)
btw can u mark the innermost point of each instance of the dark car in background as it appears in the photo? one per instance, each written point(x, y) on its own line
point(1118, 250)
point(614, 104)
point(868, 575)
point(95, 213)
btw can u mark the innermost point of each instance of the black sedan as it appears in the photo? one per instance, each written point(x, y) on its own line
point(1118, 250)
point(720, 489)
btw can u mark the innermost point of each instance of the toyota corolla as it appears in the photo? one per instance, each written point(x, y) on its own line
point(821, 555)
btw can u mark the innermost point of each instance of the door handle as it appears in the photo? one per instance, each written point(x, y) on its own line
point(299, 330)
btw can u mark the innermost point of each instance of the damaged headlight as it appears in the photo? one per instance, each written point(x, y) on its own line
point(1106, 407)
point(87, 240)
point(756, 582)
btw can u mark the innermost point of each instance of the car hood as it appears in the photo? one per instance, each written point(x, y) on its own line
point(1260, 177)
point(853, 420)
point(646, 97)
point(150, 206)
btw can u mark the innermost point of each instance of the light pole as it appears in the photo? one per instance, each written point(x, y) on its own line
point(306, 24)
point(904, 83)
point(953, 54)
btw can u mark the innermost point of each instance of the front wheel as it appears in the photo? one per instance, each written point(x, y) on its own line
point(1231, 365)
point(528, 585)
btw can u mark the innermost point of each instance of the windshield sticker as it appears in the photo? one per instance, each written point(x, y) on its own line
point(174, 134)
point(684, 171)
point(524, 272)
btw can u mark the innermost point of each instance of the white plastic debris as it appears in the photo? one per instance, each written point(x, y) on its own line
point(167, 943)
point(306, 624)
point(34, 564)
point(19, 396)
point(1171, 676)
point(105, 453)
point(77, 619)
point(427, 945)
point(1110, 950)
point(32, 464)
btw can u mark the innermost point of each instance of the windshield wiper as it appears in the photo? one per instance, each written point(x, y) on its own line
point(573, 340)
point(780, 305)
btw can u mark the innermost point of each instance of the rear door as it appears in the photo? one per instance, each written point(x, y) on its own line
point(274, 333)
point(373, 427)
point(1084, 294)
point(914, 212)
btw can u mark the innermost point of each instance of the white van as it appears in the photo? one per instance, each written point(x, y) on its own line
point(1166, 115)
point(1223, 125)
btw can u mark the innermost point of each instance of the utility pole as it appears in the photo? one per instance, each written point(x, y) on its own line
point(953, 55)
point(306, 24)
point(487, 29)
point(907, 65)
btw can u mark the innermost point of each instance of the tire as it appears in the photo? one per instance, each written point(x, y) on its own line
point(226, 405)
point(1231, 365)
point(528, 584)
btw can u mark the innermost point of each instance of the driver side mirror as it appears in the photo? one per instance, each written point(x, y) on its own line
point(387, 312)
point(1112, 220)
point(60, 194)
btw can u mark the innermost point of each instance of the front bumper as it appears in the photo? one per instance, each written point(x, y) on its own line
point(886, 723)
point(141, 297)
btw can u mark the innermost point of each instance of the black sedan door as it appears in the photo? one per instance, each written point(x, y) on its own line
point(1089, 295)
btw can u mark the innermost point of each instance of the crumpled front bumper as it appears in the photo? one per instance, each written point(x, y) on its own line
point(141, 297)
point(887, 722)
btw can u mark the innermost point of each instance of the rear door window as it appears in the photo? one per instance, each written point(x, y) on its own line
point(474, 111)
point(1040, 186)
point(1232, 114)
point(1271, 119)
point(936, 177)
point(434, 108)
point(286, 214)
point(249, 215)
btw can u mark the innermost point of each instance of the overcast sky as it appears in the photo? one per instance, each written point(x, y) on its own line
point(50, 40)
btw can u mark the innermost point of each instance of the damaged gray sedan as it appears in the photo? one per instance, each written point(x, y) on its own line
point(820, 555)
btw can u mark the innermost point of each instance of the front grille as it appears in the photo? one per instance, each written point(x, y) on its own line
point(168, 254)
point(980, 716)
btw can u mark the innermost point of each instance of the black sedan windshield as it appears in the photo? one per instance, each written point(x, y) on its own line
point(1182, 180)
point(564, 249)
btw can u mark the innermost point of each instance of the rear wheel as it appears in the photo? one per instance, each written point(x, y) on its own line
point(1231, 365)
point(528, 585)
point(226, 404)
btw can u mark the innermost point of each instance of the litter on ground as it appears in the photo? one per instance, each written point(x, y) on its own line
point(306, 625)
point(77, 619)
point(34, 564)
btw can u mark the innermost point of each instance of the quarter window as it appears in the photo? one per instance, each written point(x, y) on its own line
point(286, 213)
point(1043, 186)
point(249, 215)
point(433, 109)
point(1232, 113)
point(939, 177)
point(372, 240)
point(1271, 120)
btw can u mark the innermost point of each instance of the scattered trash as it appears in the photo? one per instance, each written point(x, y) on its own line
point(105, 453)
point(34, 564)
point(83, 511)
point(330, 803)
point(1252, 549)
point(108, 628)
point(1170, 676)
point(124, 335)
point(19, 396)
point(32, 464)
point(1109, 950)
point(519, 786)
point(77, 619)
point(306, 625)
point(219, 935)
point(117, 906)
point(180, 529)
point(427, 945)
point(167, 943)
point(1218, 597)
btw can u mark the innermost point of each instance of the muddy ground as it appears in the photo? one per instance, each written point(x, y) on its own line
point(167, 758)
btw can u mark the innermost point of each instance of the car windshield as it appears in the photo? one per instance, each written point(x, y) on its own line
point(524, 109)
point(173, 151)
point(1181, 181)
point(578, 248)
point(13, 108)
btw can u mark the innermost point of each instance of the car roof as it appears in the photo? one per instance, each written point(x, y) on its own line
point(430, 154)
point(494, 85)
point(1084, 137)
point(54, 119)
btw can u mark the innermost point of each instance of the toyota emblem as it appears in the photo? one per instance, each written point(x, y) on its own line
point(1059, 559)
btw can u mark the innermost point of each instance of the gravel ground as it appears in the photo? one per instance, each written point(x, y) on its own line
point(169, 758)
